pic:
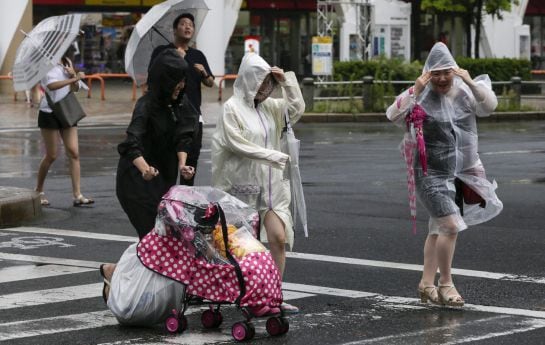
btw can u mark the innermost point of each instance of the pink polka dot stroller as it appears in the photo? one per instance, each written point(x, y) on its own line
point(205, 239)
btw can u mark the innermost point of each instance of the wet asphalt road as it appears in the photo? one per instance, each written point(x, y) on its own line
point(356, 194)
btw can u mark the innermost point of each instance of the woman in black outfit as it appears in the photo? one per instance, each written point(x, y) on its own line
point(159, 136)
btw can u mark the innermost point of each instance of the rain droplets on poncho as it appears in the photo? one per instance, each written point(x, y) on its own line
point(246, 148)
point(451, 145)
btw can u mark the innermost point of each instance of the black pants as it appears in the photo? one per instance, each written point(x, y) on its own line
point(139, 198)
point(193, 157)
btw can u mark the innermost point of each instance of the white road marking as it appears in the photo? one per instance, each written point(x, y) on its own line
point(511, 152)
point(531, 325)
point(71, 293)
point(58, 324)
point(303, 256)
point(40, 297)
point(24, 272)
point(291, 295)
point(465, 332)
point(413, 267)
point(72, 233)
point(322, 290)
point(50, 260)
point(405, 336)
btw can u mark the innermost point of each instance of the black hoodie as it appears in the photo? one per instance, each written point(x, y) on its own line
point(160, 127)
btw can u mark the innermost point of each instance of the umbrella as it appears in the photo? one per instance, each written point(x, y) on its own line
point(155, 29)
point(291, 146)
point(43, 48)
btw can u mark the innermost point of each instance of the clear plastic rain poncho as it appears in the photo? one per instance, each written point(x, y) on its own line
point(204, 239)
point(246, 152)
point(440, 148)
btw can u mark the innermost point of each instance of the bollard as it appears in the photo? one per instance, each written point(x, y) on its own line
point(308, 93)
point(516, 85)
point(367, 93)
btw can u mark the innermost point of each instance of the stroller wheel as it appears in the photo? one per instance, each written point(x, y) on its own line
point(242, 331)
point(182, 321)
point(252, 330)
point(211, 319)
point(276, 326)
point(172, 324)
point(285, 325)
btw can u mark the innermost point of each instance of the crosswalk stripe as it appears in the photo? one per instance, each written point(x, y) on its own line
point(40, 297)
point(413, 267)
point(302, 256)
point(57, 324)
point(327, 290)
point(24, 272)
point(71, 293)
point(50, 260)
point(467, 332)
point(73, 233)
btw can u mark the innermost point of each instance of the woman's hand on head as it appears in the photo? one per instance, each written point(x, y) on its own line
point(421, 83)
point(69, 68)
point(278, 74)
point(464, 74)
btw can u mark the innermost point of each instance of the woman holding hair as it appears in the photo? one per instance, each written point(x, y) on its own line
point(441, 151)
point(58, 82)
point(158, 139)
point(246, 148)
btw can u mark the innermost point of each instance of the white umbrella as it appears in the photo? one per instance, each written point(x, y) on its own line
point(155, 29)
point(291, 145)
point(43, 48)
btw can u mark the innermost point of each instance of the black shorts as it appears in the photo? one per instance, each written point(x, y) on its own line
point(49, 121)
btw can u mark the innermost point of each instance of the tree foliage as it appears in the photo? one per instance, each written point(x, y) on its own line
point(471, 11)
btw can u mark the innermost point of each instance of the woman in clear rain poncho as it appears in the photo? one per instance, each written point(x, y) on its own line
point(444, 169)
point(246, 147)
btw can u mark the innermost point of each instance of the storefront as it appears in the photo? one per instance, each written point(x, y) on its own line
point(535, 17)
point(283, 29)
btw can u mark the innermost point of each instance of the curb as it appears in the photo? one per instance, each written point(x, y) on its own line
point(18, 205)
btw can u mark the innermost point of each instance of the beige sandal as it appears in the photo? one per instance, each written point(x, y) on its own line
point(43, 200)
point(82, 201)
point(451, 299)
point(428, 293)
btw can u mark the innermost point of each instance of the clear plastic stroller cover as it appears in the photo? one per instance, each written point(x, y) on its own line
point(451, 144)
point(189, 245)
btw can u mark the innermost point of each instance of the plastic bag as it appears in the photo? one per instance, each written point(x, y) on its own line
point(139, 296)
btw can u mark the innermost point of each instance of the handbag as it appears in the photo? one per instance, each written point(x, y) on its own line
point(68, 110)
point(465, 194)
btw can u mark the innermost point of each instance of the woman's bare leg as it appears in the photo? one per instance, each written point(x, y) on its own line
point(70, 139)
point(276, 235)
point(50, 137)
point(430, 262)
point(446, 245)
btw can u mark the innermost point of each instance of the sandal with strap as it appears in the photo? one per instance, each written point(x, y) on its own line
point(260, 311)
point(107, 284)
point(82, 201)
point(43, 200)
point(288, 308)
point(451, 299)
point(428, 293)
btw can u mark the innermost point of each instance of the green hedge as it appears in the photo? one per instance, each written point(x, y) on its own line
point(394, 69)
point(497, 69)
point(383, 69)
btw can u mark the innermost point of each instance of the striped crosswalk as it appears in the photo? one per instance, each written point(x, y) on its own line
point(32, 282)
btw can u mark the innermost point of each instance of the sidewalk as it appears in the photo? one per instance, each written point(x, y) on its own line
point(18, 204)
